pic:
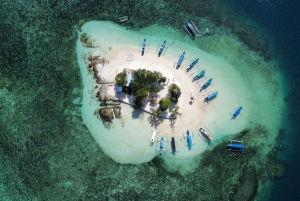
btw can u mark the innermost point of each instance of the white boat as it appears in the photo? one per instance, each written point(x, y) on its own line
point(153, 137)
point(203, 131)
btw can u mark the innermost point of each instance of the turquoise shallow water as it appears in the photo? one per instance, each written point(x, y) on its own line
point(48, 154)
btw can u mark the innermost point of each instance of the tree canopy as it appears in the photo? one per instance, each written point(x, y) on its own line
point(121, 79)
point(174, 92)
point(164, 103)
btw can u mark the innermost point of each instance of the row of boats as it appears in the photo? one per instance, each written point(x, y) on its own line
point(234, 145)
point(198, 76)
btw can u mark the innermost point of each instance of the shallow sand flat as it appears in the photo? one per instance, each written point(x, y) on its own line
point(130, 144)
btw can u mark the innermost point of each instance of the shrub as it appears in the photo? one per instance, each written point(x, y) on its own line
point(174, 92)
point(121, 79)
point(164, 103)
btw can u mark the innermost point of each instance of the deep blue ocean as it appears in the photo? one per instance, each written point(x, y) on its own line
point(281, 21)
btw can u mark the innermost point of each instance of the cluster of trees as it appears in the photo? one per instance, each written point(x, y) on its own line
point(145, 81)
point(174, 94)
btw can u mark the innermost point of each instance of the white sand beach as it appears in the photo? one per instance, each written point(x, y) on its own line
point(128, 140)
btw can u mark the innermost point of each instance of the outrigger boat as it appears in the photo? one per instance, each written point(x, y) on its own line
point(189, 139)
point(206, 84)
point(192, 64)
point(143, 47)
point(180, 59)
point(161, 147)
point(173, 145)
point(236, 145)
point(123, 20)
point(199, 75)
point(161, 49)
point(203, 131)
point(237, 112)
point(211, 96)
point(191, 28)
point(153, 137)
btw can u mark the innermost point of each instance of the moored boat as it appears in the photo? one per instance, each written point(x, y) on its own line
point(189, 139)
point(199, 75)
point(192, 64)
point(161, 49)
point(207, 135)
point(211, 96)
point(143, 47)
point(180, 59)
point(236, 145)
point(123, 20)
point(153, 137)
point(191, 28)
point(173, 146)
point(238, 111)
point(206, 84)
point(161, 147)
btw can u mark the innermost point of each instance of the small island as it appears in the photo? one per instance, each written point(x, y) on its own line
point(139, 90)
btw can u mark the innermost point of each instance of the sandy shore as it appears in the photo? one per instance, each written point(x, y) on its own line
point(191, 112)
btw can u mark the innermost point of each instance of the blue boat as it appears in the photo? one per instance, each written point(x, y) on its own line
point(143, 47)
point(192, 64)
point(236, 146)
point(237, 112)
point(191, 28)
point(162, 47)
point(189, 139)
point(211, 96)
point(199, 75)
point(173, 146)
point(206, 84)
point(161, 147)
point(180, 59)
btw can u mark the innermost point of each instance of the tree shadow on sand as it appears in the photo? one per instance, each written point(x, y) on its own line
point(154, 121)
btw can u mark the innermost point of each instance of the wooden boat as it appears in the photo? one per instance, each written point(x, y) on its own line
point(236, 146)
point(189, 139)
point(173, 146)
point(211, 96)
point(153, 137)
point(191, 28)
point(206, 84)
point(199, 75)
point(180, 59)
point(207, 135)
point(192, 64)
point(123, 20)
point(143, 47)
point(237, 112)
point(162, 47)
point(161, 146)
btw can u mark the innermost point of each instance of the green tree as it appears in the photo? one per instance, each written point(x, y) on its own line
point(174, 112)
point(121, 79)
point(162, 79)
point(153, 88)
point(174, 92)
point(157, 113)
point(164, 103)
